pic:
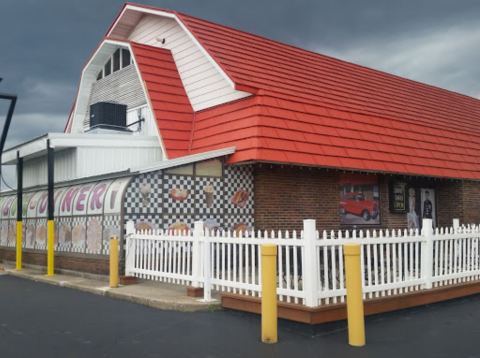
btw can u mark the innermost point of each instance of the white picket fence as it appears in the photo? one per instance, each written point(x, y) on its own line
point(310, 263)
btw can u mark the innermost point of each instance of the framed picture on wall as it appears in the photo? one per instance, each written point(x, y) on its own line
point(427, 204)
point(398, 197)
point(359, 199)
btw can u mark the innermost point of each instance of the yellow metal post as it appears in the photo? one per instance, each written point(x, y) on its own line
point(114, 262)
point(269, 294)
point(18, 264)
point(356, 318)
point(50, 244)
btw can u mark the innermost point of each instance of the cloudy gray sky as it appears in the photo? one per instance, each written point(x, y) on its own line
point(44, 43)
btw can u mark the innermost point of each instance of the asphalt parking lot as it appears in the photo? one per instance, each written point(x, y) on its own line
point(40, 320)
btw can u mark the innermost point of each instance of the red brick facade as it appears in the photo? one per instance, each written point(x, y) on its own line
point(284, 196)
point(96, 265)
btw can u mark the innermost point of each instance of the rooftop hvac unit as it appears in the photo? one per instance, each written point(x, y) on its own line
point(108, 115)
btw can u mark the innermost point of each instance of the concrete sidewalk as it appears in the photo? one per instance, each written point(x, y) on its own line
point(149, 293)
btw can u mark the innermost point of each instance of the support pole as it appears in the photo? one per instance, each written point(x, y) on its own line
point(269, 294)
point(18, 263)
point(356, 319)
point(114, 262)
point(426, 268)
point(51, 206)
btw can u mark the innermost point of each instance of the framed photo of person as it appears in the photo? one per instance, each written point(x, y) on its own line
point(427, 205)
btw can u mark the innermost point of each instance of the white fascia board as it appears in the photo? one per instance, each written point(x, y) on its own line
point(185, 160)
point(61, 140)
point(184, 28)
point(29, 148)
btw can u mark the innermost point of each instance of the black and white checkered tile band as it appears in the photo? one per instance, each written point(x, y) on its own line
point(239, 190)
point(179, 200)
point(209, 195)
point(178, 194)
point(144, 194)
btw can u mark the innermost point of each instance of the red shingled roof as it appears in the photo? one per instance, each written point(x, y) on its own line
point(167, 96)
point(312, 109)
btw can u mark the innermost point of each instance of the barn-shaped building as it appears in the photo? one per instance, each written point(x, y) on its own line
point(180, 119)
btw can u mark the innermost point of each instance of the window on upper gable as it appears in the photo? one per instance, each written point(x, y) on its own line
point(108, 68)
point(126, 59)
point(116, 60)
point(121, 58)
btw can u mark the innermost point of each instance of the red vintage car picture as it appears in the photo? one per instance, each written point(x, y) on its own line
point(355, 203)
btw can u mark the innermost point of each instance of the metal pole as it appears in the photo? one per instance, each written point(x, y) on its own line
point(6, 126)
point(114, 262)
point(19, 212)
point(353, 278)
point(269, 294)
point(51, 206)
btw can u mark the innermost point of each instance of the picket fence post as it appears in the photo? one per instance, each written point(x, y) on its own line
point(456, 225)
point(207, 274)
point(427, 253)
point(130, 248)
point(196, 254)
point(310, 270)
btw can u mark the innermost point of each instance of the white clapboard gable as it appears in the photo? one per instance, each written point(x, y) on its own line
point(204, 83)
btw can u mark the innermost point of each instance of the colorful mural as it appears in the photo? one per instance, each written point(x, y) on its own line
point(86, 216)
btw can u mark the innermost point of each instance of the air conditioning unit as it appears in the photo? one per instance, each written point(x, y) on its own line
point(108, 115)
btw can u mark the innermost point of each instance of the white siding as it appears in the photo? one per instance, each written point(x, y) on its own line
point(204, 84)
point(122, 86)
point(149, 126)
point(35, 170)
point(71, 164)
point(98, 161)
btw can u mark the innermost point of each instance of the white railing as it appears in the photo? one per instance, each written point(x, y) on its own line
point(310, 263)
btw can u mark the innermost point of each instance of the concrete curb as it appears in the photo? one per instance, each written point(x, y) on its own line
point(79, 284)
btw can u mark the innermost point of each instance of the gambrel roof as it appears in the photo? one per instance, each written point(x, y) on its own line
point(309, 109)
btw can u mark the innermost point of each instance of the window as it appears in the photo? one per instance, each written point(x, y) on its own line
point(116, 60)
point(125, 58)
point(121, 58)
point(108, 68)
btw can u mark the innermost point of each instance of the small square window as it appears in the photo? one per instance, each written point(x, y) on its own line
point(108, 68)
point(116, 60)
point(100, 75)
point(125, 58)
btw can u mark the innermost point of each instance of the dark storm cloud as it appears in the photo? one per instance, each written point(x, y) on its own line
point(44, 44)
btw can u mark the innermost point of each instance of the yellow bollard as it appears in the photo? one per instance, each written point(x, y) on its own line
point(114, 262)
point(18, 263)
point(356, 318)
point(50, 244)
point(269, 294)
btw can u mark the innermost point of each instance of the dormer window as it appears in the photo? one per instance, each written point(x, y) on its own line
point(120, 59)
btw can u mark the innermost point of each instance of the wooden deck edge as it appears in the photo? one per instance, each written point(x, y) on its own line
point(337, 312)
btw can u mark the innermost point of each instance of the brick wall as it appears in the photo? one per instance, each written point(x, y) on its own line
point(471, 202)
point(284, 196)
point(96, 265)
point(449, 202)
